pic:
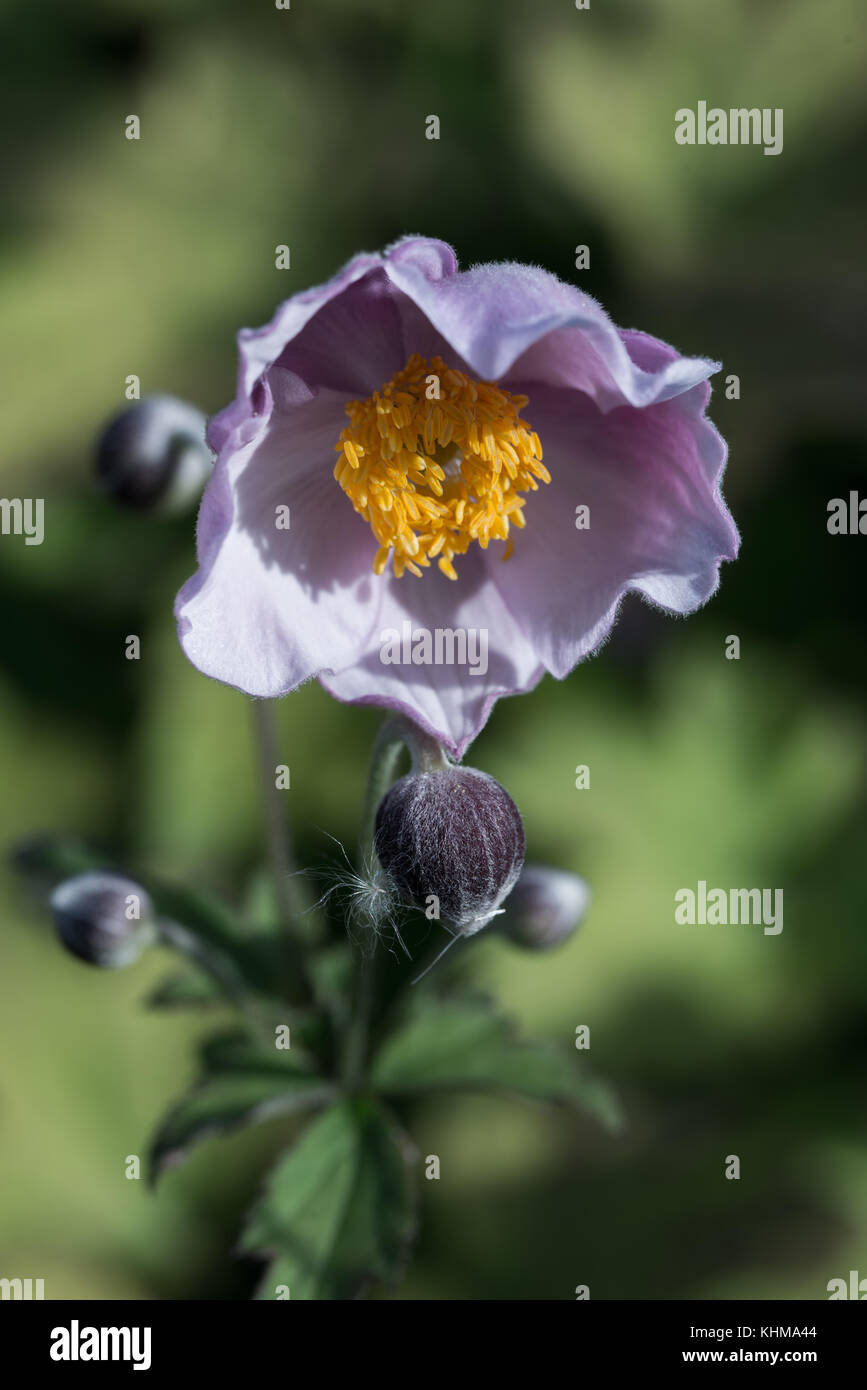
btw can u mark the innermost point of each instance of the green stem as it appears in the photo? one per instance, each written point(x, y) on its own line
point(276, 823)
point(384, 758)
point(290, 901)
point(358, 1028)
point(428, 755)
point(395, 734)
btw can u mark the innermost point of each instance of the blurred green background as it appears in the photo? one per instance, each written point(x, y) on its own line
point(306, 127)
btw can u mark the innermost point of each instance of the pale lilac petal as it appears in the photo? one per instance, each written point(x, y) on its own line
point(259, 348)
point(345, 334)
point(362, 336)
point(658, 524)
point(446, 700)
point(354, 343)
point(270, 608)
point(518, 322)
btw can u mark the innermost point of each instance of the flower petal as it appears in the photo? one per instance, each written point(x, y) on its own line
point(259, 348)
point(345, 334)
point(522, 322)
point(355, 341)
point(658, 524)
point(449, 701)
point(269, 607)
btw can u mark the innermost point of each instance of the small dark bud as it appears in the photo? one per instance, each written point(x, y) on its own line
point(452, 843)
point(103, 919)
point(545, 908)
point(152, 457)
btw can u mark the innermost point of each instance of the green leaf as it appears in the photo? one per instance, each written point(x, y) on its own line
point(221, 966)
point(51, 858)
point(238, 1051)
point(265, 962)
point(338, 1211)
point(465, 1046)
point(228, 1101)
point(183, 990)
point(206, 916)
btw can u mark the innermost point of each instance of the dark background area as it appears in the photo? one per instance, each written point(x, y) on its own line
point(306, 127)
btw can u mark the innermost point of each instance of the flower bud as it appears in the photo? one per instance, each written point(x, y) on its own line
point(153, 457)
point(452, 840)
point(545, 907)
point(103, 919)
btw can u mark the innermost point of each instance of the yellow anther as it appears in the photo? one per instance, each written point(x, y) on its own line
point(433, 476)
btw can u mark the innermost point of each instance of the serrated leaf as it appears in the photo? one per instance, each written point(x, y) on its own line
point(338, 1211)
point(468, 1047)
point(184, 990)
point(226, 1102)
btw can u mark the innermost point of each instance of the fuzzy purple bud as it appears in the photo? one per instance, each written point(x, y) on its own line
point(545, 908)
point(103, 919)
point(152, 457)
point(454, 835)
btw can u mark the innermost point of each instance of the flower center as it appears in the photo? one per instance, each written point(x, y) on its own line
point(435, 461)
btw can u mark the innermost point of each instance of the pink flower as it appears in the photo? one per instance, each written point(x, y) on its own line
point(380, 494)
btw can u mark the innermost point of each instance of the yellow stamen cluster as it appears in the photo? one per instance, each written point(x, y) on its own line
point(435, 461)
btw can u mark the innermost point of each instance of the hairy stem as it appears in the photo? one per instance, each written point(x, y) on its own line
point(385, 755)
point(395, 734)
